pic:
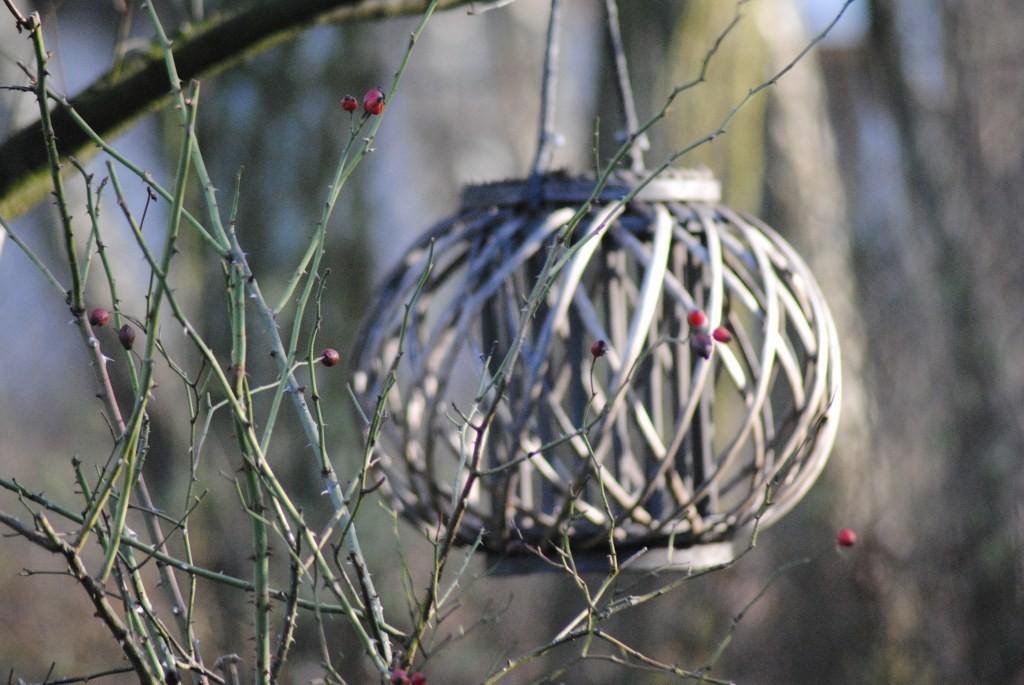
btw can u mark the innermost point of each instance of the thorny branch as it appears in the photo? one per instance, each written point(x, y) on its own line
point(76, 124)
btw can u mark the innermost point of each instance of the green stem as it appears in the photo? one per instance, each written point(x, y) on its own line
point(76, 297)
point(152, 551)
point(157, 299)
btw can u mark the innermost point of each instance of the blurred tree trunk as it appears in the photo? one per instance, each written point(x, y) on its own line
point(741, 62)
point(951, 433)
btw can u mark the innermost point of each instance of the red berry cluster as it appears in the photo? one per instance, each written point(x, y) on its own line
point(403, 677)
point(701, 340)
point(125, 334)
point(373, 102)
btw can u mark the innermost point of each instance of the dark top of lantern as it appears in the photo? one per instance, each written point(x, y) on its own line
point(673, 185)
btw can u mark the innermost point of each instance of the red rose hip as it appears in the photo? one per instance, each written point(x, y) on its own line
point(721, 334)
point(373, 101)
point(126, 335)
point(99, 317)
point(696, 318)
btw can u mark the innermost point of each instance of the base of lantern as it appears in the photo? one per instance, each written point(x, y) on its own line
point(689, 559)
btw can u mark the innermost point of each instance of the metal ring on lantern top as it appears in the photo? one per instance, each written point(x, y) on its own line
point(651, 445)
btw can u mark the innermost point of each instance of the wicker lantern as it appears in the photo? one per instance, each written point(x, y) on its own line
point(672, 441)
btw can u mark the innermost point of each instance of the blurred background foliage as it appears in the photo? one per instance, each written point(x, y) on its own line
point(891, 157)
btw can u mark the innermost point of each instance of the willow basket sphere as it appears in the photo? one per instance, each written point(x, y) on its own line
point(673, 440)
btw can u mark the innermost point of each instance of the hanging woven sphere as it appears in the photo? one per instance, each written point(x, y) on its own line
point(677, 386)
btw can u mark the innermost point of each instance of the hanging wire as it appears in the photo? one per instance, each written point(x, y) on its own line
point(549, 87)
point(636, 153)
point(547, 137)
